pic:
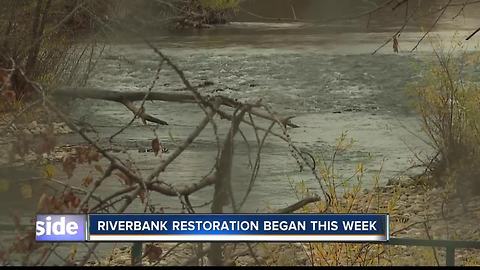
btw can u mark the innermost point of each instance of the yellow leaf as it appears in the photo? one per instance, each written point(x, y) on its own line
point(73, 252)
point(49, 171)
point(87, 181)
point(99, 168)
point(4, 185)
point(360, 167)
point(27, 191)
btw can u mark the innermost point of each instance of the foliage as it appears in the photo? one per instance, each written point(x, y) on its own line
point(447, 100)
point(200, 13)
point(349, 196)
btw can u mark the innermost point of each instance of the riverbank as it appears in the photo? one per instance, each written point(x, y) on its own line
point(415, 212)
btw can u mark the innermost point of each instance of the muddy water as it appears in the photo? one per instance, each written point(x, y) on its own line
point(325, 76)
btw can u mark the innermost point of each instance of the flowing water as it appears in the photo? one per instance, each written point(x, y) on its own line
point(324, 75)
point(330, 81)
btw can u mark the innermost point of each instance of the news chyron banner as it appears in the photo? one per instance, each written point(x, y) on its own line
point(213, 227)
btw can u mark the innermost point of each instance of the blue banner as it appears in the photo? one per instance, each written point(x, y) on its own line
point(238, 227)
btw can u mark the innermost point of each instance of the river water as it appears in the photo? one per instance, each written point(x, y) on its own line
point(324, 75)
point(330, 81)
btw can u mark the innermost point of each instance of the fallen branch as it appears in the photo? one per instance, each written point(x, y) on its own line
point(132, 96)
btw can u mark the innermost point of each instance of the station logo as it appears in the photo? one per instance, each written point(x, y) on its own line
point(60, 228)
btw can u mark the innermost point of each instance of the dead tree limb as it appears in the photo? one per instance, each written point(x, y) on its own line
point(132, 96)
point(224, 168)
point(222, 192)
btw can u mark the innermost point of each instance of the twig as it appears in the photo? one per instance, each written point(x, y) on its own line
point(473, 34)
point(97, 184)
point(432, 26)
point(433, 248)
point(298, 205)
point(256, 167)
point(141, 112)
